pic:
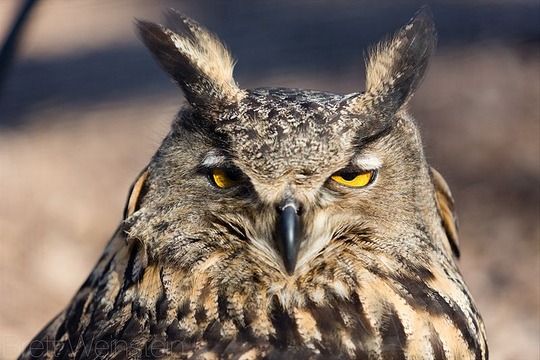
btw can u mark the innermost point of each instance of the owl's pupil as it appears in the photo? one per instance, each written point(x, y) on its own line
point(233, 175)
point(349, 176)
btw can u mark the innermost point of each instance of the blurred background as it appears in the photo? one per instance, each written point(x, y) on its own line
point(83, 107)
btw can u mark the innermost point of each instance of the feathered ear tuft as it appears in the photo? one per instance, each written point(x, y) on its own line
point(194, 58)
point(396, 67)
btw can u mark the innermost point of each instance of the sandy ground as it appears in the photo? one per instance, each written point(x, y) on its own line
point(68, 156)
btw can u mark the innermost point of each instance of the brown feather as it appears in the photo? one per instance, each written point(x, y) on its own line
point(445, 203)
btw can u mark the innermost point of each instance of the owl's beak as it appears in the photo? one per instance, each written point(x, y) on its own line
point(289, 234)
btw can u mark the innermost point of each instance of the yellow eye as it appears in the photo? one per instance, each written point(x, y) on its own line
point(354, 179)
point(224, 179)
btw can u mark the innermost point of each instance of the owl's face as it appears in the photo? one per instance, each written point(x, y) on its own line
point(285, 177)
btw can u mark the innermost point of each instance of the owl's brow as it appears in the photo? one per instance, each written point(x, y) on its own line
point(367, 162)
point(359, 142)
point(212, 160)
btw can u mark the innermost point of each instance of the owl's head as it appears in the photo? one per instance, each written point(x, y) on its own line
point(285, 179)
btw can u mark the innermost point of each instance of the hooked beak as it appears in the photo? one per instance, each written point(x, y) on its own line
point(289, 234)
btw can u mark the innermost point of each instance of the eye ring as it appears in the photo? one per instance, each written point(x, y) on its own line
point(225, 178)
point(355, 179)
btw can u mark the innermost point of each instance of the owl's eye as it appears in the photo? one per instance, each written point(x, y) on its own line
point(225, 178)
point(354, 178)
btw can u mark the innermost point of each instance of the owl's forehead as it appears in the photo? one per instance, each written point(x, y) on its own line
point(277, 131)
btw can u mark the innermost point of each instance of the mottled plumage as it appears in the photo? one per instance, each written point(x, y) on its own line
point(279, 224)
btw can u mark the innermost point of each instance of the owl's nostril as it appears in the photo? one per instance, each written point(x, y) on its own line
point(289, 203)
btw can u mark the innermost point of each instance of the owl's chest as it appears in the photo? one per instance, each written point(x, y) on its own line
point(369, 323)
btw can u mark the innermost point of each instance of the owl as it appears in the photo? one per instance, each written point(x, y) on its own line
point(278, 223)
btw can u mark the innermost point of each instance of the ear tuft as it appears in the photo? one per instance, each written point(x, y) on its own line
point(396, 67)
point(194, 58)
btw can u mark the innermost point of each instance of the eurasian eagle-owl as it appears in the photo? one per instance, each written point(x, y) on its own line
point(279, 224)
